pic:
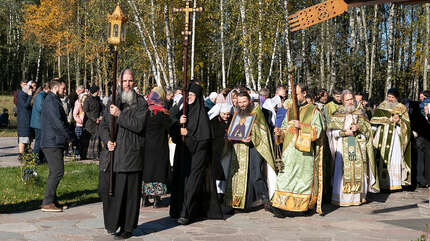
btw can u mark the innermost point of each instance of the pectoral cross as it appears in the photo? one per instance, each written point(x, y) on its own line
point(187, 10)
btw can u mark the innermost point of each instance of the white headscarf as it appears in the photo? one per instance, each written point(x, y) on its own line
point(270, 105)
point(218, 109)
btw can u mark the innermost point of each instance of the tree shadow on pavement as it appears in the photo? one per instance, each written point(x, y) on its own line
point(32, 205)
point(155, 226)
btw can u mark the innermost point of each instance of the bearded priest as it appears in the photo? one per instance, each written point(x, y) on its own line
point(251, 175)
point(354, 172)
point(393, 142)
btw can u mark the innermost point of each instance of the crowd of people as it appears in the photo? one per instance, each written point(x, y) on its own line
point(234, 150)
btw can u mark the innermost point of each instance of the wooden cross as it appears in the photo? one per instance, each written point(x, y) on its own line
point(187, 10)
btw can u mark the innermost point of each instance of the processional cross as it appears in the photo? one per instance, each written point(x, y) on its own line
point(187, 10)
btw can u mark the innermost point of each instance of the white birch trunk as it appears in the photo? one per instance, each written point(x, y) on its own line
point(287, 43)
point(193, 40)
point(224, 82)
point(273, 57)
point(260, 46)
point(244, 42)
point(39, 56)
point(91, 71)
point(373, 51)
point(352, 37)
point(142, 36)
point(333, 63)
point(68, 71)
point(168, 45)
point(322, 45)
point(390, 36)
point(366, 44)
point(426, 48)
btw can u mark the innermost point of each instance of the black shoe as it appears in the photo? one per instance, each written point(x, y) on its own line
point(146, 202)
point(157, 201)
point(184, 221)
point(123, 235)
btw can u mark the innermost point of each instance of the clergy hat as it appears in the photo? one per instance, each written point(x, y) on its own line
point(394, 92)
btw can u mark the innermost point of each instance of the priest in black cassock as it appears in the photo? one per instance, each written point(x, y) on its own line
point(122, 209)
point(193, 188)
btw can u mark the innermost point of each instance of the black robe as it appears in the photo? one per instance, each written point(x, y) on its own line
point(121, 210)
point(156, 164)
point(220, 128)
point(193, 188)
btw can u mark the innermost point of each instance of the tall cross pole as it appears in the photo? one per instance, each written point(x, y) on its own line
point(187, 10)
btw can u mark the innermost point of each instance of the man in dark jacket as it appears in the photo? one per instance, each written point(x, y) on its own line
point(121, 210)
point(54, 137)
point(35, 120)
point(24, 115)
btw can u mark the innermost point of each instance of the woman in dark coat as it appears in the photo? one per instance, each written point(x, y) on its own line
point(156, 157)
point(93, 112)
point(193, 188)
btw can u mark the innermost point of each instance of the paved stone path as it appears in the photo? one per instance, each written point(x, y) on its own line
point(9, 151)
point(398, 216)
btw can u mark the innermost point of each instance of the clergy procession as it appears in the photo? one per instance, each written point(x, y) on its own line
point(239, 151)
point(206, 142)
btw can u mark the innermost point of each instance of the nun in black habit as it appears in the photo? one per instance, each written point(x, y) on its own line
point(193, 188)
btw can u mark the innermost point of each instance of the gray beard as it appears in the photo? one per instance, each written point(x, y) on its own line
point(247, 111)
point(127, 97)
point(392, 105)
point(349, 109)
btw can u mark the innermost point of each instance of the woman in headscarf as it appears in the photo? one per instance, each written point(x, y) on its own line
point(156, 157)
point(193, 189)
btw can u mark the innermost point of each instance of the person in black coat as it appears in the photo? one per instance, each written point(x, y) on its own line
point(220, 147)
point(92, 108)
point(55, 135)
point(193, 188)
point(156, 161)
point(121, 210)
point(23, 107)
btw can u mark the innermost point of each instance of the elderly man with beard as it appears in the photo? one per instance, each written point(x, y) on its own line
point(121, 210)
point(354, 171)
point(299, 182)
point(251, 175)
point(392, 141)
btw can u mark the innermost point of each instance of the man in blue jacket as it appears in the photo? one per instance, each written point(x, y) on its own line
point(54, 137)
point(35, 120)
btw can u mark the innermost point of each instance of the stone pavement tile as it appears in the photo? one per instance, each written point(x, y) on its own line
point(17, 227)
point(42, 235)
point(414, 224)
point(237, 237)
point(11, 236)
point(93, 223)
point(56, 223)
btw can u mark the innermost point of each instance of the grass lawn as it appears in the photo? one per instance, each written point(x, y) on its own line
point(78, 186)
point(6, 101)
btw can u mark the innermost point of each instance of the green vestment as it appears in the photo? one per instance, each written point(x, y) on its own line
point(299, 183)
point(357, 151)
point(385, 134)
point(236, 183)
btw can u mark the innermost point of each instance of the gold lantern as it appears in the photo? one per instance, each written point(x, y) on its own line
point(116, 27)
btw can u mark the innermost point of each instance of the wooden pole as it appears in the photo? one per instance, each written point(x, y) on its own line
point(294, 97)
point(113, 122)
